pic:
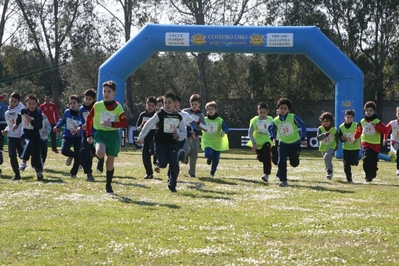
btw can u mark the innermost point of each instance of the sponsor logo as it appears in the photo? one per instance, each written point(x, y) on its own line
point(256, 39)
point(199, 39)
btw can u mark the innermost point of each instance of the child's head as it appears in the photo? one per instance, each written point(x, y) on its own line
point(284, 106)
point(177, 103)
point(326, 119)
point(263, 110)
point(109, 90)
point(160, 102)
point(349, 116)
point(211, 108)
point(195, 102)
point(169, 101)
point(31, 102)
point(150, 104)
point(397, 112)
point(369, 108)
point(89, 96)
point(74, 102)
point(14, 100)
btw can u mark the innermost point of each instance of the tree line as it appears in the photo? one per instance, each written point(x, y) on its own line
point(56, 47)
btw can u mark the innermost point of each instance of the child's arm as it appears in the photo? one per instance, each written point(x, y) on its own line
point(251, 137)
point(302, 125)
point(182, 130)
point(147, 127)
point(139, 123)
point(122, 123)
point(386, 135)
point(202, 123)
point(37, 122)
point(381, 128)
point(60, 123)
point(320, 136)
point(89, 123)
point(225, 129)
point(359, 131)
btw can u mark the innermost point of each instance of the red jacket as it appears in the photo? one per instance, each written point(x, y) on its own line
point(51, 111)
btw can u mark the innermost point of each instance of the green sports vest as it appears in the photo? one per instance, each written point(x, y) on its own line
point(212, 138)
point(287, 130)
point(369, 134)
point(261, 131)
point(102, 114)
point(329, 141)
point(349, 133)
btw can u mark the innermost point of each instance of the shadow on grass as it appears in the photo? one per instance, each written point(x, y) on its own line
point(217, 181)
point(252, 181)
point(194, 196)
point(145, 203)
point(131, 184)
point(322, 188)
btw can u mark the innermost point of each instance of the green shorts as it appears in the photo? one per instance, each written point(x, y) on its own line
point(110, 139)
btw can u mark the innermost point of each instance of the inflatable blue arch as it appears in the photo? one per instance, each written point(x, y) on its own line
point(308, 40)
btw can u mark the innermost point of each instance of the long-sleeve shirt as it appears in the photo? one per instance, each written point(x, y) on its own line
point(51, 111)
point(31, 130)
point(297, 121)
point(110, 106)
point(70, 120)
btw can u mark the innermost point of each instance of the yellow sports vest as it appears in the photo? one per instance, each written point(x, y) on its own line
point(329, 141)
point(261, 131)
point(212, 137)
point(369, 133)
point(102, 114)
point(287, 130)
point(349, 133)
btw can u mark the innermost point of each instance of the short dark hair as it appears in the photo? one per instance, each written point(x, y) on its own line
point(263, 105)
point(327, 115)
point(74, 97)
point(111, 84)
point(171, 95)
point(350, 112)
point(195, 98)
point(31, 97)
point(90, 92)
point(151, 99)
point(16, 95)
point(285, 101)
point(160, 99)
point(370, 104)
point(178, 98)
point(211, 104)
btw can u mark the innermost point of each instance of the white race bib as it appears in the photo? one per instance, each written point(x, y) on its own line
point(26, 124)
point(12, 118)
point(107, 116)
point(327, 140)
point(263, 126)
point(212, 128)
point(71, 124)
point(349, 137)
point(286, 129)
point(368, 129)
point(170, 125)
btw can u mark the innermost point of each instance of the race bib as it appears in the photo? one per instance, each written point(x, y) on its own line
point(71, 124)
point(327, 140)
point(12, 118)
point(212, 128)
point(349, 137)
point(395, 132)
point(368, 129)
point(107, 116)
point(263, 126)
point(286, 129)
point(170, 125)
point(26, 124)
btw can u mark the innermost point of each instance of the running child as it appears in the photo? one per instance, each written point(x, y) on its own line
point(393, 128)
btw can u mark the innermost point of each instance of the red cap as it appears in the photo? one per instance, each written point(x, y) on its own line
point(2, 98)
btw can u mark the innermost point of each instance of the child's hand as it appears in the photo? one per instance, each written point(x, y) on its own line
point(90, 140)
point(222, 134)
point(175, 135)
point(56, 129)
point(14, 127)
point(384, 142)
point(140, 142)
point(106, 123)
point(354, 141)
point(84, 127)
point(193, 135)
point(78, 130)
point(254, 147)
point(27, 118)
point(304, 143)
point(4, 132)
point(343, 138)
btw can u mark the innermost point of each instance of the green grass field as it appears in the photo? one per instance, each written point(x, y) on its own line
point(232, 219)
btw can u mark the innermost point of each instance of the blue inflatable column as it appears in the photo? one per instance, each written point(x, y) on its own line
point(348, 95)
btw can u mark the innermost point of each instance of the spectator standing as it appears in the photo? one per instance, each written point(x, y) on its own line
point(51, 112)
